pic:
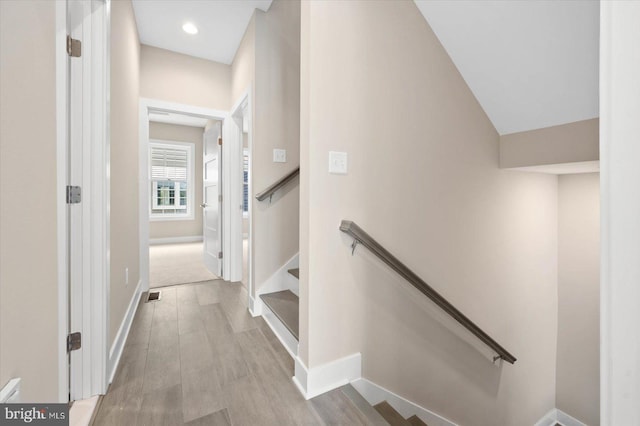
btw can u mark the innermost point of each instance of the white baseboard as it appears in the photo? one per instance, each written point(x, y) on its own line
point(123, 332)
point(375, 394)
point(558, 416)
point(255, 308)
point(175, 240)
point(278, 281)
point(324, 378)
point(286, 338)
point(10, 393)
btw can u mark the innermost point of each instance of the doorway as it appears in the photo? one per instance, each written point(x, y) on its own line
point(173, 201)
point(177, 191)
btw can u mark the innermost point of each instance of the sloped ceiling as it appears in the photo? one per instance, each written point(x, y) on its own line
point(531, 64)
point(221, 25)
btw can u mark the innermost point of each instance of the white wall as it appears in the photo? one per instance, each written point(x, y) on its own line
point(424, 180)
point(578, 363)
point(28, 181)
point(180, 228)
point(620, 210)
point(125, 83)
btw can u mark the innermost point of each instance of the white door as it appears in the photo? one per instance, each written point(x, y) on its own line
point(212, 200)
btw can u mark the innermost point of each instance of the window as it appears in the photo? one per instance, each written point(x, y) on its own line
point(245, 183)
point(171, 180)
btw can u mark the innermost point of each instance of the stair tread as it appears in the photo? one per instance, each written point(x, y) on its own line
point(285, 306)
point(295, 272)
point(416, 421)
point(361, 404)
point(391, 415)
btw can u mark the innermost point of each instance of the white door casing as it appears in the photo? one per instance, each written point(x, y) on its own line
point(233, 157)
point(211, 199)
point(75, 12)
point(84, 145)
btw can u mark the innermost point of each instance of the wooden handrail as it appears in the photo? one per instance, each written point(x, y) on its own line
point(268, 193)
point(361, 237)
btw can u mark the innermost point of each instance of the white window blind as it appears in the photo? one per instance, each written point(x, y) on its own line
point(171, 178)
point(169, 163)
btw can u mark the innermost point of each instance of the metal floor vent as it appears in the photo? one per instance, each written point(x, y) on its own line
point(153, 296)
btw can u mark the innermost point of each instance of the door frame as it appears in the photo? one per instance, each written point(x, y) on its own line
point(241, 108)
point(145, 106)
point(89, 300)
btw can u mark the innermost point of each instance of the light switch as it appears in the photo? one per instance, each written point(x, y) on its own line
point(338, 163)
point(279, 155)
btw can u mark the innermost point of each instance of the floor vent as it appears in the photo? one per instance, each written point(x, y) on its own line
point(153, 296)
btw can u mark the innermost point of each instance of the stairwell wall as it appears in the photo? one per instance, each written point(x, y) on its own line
point(578, 364)
point(268, 61)
point(424, 180)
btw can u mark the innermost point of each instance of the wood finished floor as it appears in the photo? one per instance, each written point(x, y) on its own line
point(196, 357)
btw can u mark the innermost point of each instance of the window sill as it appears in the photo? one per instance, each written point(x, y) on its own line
point(169, 218)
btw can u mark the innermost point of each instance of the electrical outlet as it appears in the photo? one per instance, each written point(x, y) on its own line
point(279, 155)
point(126, 275)
point(338, 163)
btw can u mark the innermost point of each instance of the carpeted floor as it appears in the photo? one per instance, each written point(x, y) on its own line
point(171, 264)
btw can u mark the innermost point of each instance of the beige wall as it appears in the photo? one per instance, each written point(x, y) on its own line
point(243, 65)
point(269, 60)
point(578, 365)
point(424, 180)
point(180, 228)
point(276, 125)
point(28, 269)
point(567, 143)
point(174, 77)
point(125, 60)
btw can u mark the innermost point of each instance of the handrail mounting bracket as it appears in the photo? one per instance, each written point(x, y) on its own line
point(354, 244)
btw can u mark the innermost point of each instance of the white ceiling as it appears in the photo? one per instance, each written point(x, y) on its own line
point(530, 64)
point(221, 25)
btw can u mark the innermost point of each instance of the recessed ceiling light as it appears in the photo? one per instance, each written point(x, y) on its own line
point(190, 28)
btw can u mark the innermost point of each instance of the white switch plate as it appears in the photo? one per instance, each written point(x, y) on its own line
point(279, 155)
point(338, 163)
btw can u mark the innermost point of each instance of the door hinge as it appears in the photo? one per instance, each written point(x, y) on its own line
point(74, 341)
point(74, 194)
point(219, 141)
point(219, 255)
point(74, 47)
point(220, 198)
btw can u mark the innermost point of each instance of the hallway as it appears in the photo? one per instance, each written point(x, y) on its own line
point(197, 357)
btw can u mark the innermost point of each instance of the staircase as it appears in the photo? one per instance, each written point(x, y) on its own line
point(379, 414)
point(284, 305)
point(394, 418)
